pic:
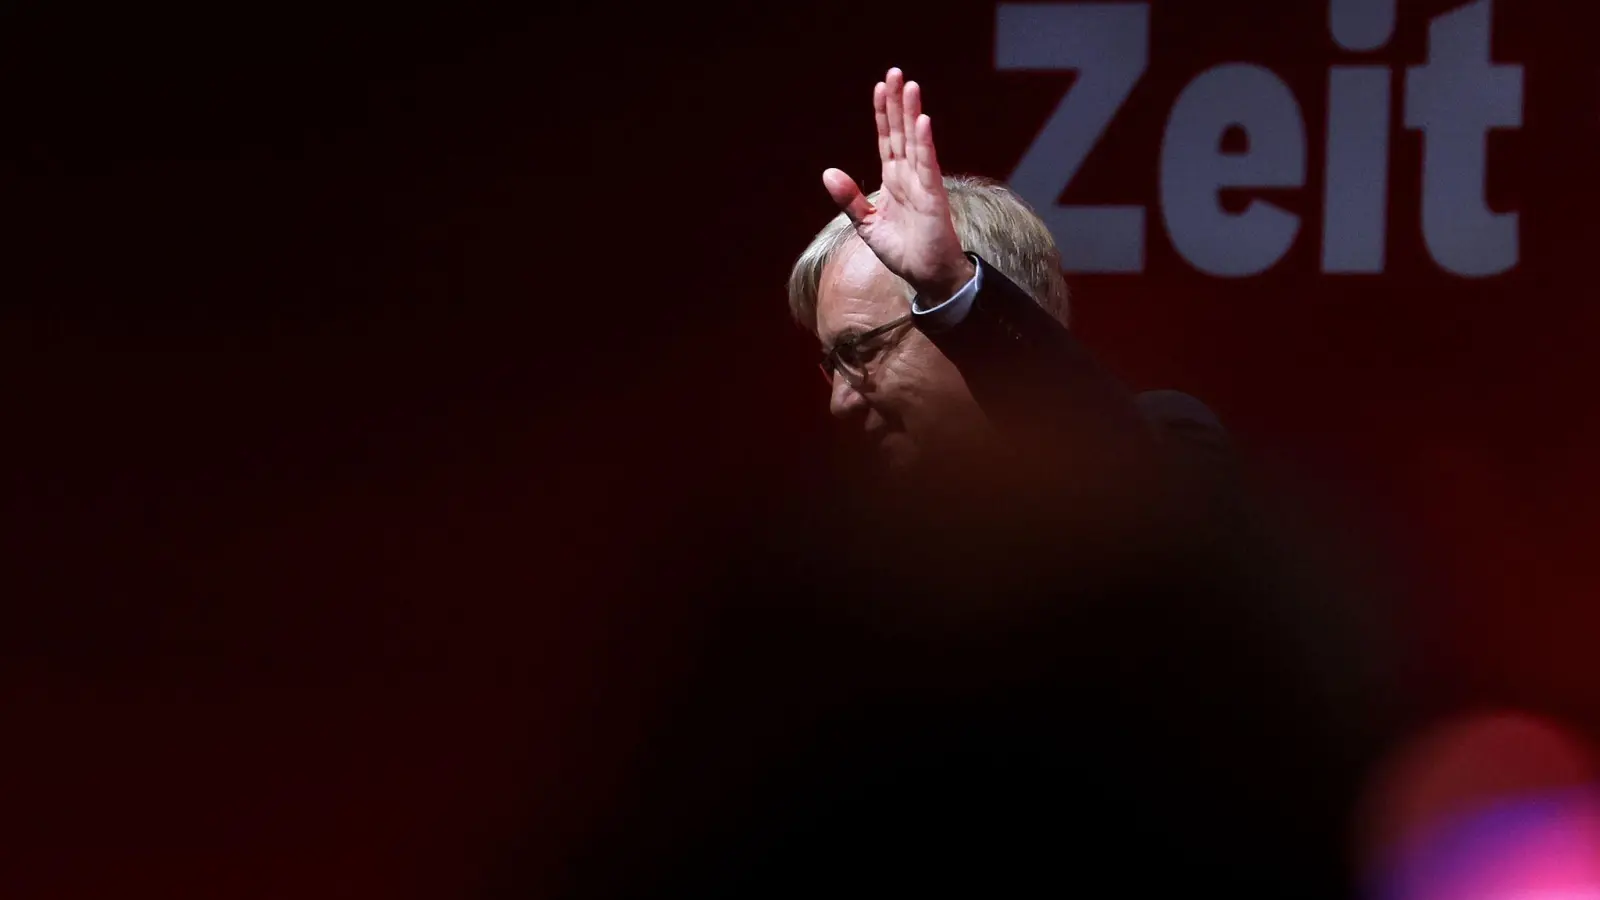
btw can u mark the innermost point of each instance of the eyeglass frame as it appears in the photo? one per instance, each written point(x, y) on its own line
point(830, 357)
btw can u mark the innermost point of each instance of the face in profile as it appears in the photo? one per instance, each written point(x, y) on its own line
point(894, 389)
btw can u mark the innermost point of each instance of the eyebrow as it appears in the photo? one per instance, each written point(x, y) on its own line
point(877, 331)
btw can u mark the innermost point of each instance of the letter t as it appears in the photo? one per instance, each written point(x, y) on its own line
point(1455, 99)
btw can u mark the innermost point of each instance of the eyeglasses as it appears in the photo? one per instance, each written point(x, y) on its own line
point(850, 355)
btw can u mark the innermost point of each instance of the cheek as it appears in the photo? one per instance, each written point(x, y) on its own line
point(920, 379)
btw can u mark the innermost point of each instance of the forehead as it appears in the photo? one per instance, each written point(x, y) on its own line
point(856, 292)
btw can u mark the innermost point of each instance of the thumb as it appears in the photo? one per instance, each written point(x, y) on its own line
point(844, 191)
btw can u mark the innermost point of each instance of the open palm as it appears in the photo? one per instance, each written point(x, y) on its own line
point(909, 228)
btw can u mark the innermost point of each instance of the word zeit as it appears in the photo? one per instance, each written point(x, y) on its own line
point(1454, 99)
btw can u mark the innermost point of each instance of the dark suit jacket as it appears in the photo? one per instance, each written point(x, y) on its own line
point(1075, 685)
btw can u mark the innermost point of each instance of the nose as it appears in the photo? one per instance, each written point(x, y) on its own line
point(845, 401)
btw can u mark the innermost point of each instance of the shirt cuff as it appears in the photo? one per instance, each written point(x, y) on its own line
point(951, 312)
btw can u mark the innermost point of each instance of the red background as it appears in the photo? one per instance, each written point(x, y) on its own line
point(354, 364)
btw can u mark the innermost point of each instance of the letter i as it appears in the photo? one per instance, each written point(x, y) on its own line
point(1356, 200)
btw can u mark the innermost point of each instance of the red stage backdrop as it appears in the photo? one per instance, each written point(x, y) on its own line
point(359, 367)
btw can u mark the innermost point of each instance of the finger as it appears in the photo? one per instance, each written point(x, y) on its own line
point(927, 160)
point(845, 192)
point(894, 86)
point(912, 108)
point(880, 110)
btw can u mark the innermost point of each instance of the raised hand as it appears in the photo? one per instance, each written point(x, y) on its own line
point(909, 228)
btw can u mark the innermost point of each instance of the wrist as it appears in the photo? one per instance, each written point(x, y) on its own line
point(949, 283)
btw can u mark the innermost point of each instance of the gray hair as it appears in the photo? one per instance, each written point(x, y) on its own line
point(991, 220)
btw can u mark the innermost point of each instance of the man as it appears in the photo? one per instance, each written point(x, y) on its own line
point(934, 314)
point(1033, 652)
point(942, 312)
